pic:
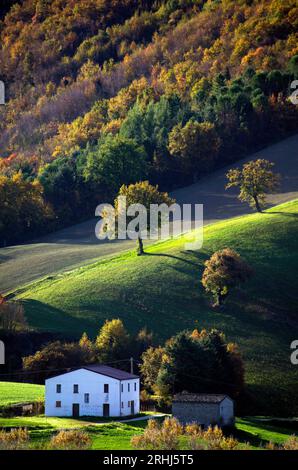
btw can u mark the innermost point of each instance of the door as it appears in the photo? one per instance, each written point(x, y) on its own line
point(75, 410)
point(106, 410)
point(132, 407)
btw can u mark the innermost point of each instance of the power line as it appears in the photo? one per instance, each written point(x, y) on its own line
point(21, 372)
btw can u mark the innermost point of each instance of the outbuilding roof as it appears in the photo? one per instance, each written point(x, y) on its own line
point(185, 397)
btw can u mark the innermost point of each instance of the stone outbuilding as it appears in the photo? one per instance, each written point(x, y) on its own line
point(204, 409)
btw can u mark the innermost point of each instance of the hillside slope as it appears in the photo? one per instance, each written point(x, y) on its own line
point(13, 392)
point(162, 290)
point(77, 244)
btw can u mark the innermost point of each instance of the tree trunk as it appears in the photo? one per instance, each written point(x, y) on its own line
point(140, 248)
point(219, 299)
point(258, 207)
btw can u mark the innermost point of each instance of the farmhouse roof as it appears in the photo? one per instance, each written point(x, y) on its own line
point(185, 397)
point(110, 372)
point(101, 369)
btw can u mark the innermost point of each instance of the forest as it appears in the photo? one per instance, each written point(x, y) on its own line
point(103, 93)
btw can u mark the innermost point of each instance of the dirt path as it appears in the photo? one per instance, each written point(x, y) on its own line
point(78, 245)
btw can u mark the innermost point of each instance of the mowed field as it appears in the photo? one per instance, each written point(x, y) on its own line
point(13, 392)
point(162, 290)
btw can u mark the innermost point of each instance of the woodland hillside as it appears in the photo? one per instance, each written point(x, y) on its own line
point(103, 93)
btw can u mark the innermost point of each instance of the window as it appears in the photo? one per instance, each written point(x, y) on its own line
point(106, 388)
point(122, 388)
point(128, 404)
point(58, 404)
point(58, 388)
point(75, 388)
point(86, 397)
point(122, 404)
point(128, 387)
point(135, 386)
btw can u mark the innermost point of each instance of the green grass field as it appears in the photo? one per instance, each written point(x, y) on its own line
point(162, 290)
point(117, 436)
point(13, 392)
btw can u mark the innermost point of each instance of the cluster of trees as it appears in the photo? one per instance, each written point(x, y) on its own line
point(113, 345)
point(119, 92)
point(196, 361)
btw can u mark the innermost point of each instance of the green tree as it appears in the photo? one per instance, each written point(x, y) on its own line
point(115, 161)
point(224, 271)
point(254, 179)
point(200, 362)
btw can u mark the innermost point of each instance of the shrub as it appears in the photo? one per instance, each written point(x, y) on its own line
point(291, 443)
point(73, 439)
point(14, 439)
point(213, 438)
point(156, 437)
point(193, 429)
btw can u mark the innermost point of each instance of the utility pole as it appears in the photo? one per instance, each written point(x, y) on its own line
point(131, 365)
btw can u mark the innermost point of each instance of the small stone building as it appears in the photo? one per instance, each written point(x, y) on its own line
point(204, 409)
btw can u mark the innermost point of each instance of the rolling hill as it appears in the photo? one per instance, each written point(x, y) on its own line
point(77, 245)
point(162, 290)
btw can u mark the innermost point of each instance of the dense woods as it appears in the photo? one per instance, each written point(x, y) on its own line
point(103, 93)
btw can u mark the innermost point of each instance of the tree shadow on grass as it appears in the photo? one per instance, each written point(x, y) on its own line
point(252, 439)
point(45, 317)
point(286, 214)
point(179, 258)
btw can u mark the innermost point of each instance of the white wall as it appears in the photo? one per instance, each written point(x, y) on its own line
point(92, 383)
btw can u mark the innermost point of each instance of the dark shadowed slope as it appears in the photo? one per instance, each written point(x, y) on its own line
point(78, 245)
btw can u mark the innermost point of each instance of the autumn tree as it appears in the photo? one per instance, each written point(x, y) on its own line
point(23, 210)
point(195, 146)
point(151, 363)
point(145, 194)
point(54, 357)
point(112, 341)
point(224, 271)
point(254, 180)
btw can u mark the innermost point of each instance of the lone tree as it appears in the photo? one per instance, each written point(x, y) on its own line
point(223, 271)
point(12, 316)
point(145, 194)
point(255, 179)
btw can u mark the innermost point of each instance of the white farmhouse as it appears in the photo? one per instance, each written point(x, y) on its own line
point(95, 390)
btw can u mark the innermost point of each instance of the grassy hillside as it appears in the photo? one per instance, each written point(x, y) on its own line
point(13, 392)
point(162, 290)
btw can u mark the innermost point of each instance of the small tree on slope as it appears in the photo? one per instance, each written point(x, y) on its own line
point(223, 271)
point(255, 179)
